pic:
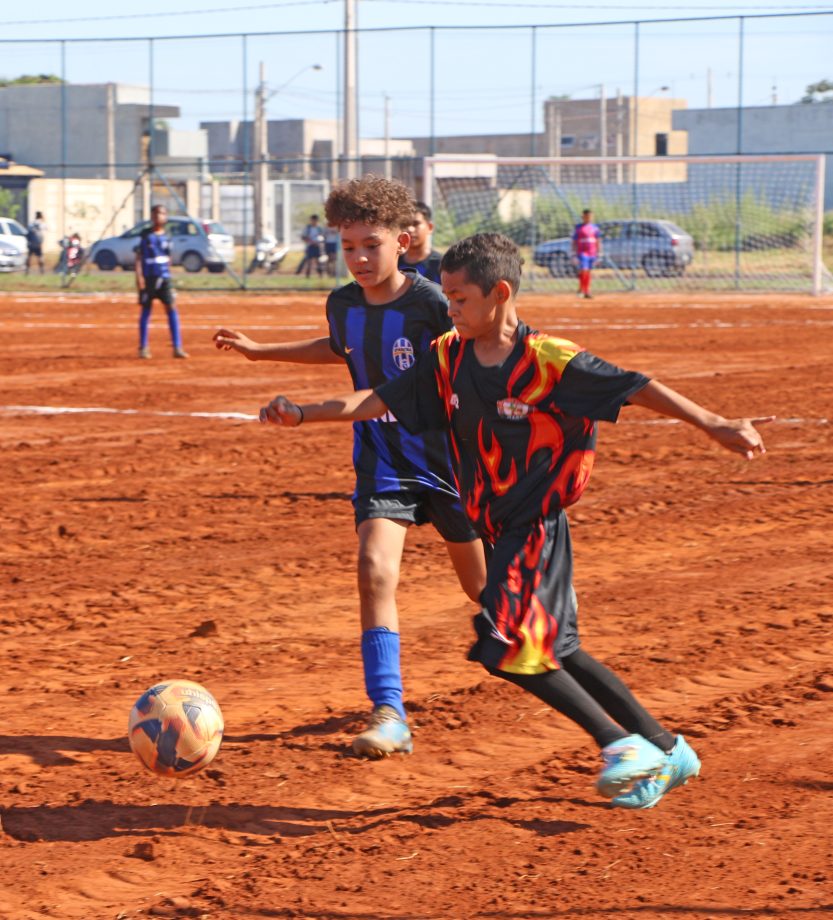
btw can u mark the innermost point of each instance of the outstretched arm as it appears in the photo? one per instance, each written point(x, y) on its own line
point(739, 434)
point(307, 351)
point(358, 406)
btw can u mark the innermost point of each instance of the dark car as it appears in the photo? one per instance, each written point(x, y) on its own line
point(659, 247)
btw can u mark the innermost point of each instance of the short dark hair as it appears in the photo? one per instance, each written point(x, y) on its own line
point(420, 207)
point(159, 207)
point(370, 200)
point(487, 258)
point(587, 211)
point(313, 217)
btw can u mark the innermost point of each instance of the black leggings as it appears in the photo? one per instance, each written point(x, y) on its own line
point(590, 694)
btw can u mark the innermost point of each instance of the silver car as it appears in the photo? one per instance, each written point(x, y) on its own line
point(191, 247)
point(13, 245)
point(12, 259)
point(659, 247)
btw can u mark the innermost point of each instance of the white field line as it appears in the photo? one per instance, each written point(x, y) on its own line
point(47, 325)
point(243, 416)
point(564, 324)
point(103, 410)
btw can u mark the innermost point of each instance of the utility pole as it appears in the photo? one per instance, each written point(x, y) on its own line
point(261, 145)
point(388, 164)
point(603, 130)
point(620, 140)
point(708, 87)
point(351, 145)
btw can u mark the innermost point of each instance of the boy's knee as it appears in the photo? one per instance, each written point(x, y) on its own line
point(378, 574)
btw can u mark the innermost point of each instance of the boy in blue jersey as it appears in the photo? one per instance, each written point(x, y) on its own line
point(420, 256)
point(379, 325)
point(521, 409)
point(153, 280)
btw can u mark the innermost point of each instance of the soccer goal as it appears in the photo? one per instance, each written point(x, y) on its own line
point(745, 223)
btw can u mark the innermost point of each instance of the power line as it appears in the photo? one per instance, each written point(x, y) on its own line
point(512, 4)
point(219, 9)
point(497, 4)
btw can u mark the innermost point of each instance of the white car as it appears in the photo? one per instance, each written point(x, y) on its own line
point(13, 232)
point(193, 247)
point(13, 246)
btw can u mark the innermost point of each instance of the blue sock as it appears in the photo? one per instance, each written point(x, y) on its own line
point(173, 325)
point(382, 674)
point(144, 326)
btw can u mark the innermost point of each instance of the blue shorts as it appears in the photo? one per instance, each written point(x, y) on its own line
point(586, 263)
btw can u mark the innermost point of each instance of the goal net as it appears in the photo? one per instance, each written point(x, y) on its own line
point(746, 223)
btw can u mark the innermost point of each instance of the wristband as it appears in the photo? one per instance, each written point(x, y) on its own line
point(302, 415)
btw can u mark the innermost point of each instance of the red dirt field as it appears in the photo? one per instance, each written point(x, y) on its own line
point(151, 542)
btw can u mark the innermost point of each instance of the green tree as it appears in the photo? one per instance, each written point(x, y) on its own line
point(818, 92)
point(8, 206)
point(29, 79)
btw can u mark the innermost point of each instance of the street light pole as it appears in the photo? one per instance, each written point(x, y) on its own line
point(261, 144)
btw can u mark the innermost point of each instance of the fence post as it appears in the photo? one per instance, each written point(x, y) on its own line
point(739, 145)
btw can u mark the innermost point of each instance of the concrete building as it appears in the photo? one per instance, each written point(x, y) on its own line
point(798, 128)
point(84, 131)
point(300, 147)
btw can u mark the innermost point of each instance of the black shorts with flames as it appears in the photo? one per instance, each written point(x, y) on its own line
point(529, 620)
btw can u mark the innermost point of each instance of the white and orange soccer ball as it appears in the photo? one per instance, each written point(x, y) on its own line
point(175, 728)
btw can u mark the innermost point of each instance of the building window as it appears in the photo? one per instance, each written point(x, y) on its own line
point(661, 145)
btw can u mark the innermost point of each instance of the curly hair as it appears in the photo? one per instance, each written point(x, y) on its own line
point(487, 258)
point(370, 200)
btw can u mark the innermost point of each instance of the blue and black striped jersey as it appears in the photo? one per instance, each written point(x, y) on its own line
point(155, 252)
point(429, 267)
point(378, 343)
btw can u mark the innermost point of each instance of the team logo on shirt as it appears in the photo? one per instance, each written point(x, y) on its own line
point(403, 354)
point(513, 409)
point(454, 402)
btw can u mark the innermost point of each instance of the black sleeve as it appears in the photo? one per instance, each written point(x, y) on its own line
point(413, 396)
point(592, 388)
point(335, 345)
point(138, 246)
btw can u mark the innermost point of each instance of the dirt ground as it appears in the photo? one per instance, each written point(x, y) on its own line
point(167, 537)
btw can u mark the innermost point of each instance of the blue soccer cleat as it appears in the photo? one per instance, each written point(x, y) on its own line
point(681, 765)
point(626, 761)
point(386, 733)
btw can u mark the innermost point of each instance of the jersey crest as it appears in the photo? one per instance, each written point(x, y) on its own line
point(403, 353)
point(513, 409)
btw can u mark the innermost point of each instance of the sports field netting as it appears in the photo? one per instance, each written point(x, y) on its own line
point(711, 223)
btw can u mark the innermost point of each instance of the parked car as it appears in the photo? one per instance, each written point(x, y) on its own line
point(13, 233)
point(190, 248)
point(11, 258)
point(659, 247)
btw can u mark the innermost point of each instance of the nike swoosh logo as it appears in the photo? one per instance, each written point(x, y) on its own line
point(347, 351)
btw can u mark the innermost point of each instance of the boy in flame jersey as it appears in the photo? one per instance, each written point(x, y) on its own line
point(522, 409)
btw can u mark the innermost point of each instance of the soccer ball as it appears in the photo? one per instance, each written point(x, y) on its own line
point(175, 728)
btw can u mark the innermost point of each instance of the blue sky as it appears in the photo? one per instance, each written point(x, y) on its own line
point(485, 81)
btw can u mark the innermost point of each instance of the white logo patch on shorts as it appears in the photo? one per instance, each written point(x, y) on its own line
point(513, 409)
point(403, 354)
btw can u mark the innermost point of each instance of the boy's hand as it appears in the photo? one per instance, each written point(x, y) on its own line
point(740, 435)
point(230, 340)
point(282, 411)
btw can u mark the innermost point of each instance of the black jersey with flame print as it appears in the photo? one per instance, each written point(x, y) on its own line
point(518, 456)
point(523, 434)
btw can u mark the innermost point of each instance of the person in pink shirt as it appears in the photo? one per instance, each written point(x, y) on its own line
point(587, 248)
